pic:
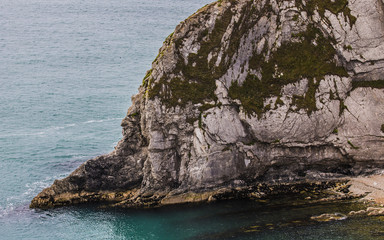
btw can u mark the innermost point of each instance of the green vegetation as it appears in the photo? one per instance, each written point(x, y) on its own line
point(372, 84)
point(146, 78)
point(226, 148)
point(288, 64)
point(332, 95)
point(308, 101)
point(278, 102)
point(207, 106)
point(166, 42)
point(347, 47)
point(197, 81)
point(311, 57)
point(191, 120)
point(342, 107)
point(334, 6)
point(198, 84)
point(251, 95)
point(179, 92)
point(353, 146)
point(250, 143)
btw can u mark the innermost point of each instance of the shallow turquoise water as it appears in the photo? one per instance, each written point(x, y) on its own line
point(67, 71)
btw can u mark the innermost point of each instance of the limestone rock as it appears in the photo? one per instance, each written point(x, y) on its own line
point(247, 92)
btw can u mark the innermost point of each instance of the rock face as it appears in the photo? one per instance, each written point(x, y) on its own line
point(247, 92)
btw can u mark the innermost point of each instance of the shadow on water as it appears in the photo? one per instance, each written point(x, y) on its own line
point(283, 217)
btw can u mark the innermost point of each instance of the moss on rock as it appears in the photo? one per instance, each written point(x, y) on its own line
point(373, 84)
point(334, 6)
point(197, 84)
point(352, 145)
point(197, 81)
point(311, 57)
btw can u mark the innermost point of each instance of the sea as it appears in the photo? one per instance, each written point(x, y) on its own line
point(68, 69)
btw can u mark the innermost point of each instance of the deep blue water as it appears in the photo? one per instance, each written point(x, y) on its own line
point(67, 71)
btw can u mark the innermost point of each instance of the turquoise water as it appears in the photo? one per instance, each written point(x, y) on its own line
point(67, 71)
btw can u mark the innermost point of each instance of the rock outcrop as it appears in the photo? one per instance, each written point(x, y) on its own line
point(247, 93)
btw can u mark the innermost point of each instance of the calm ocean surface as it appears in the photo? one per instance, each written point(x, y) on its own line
point(67, 71)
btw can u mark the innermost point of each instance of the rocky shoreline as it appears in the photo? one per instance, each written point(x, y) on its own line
point(312, 192)
point(367, 191)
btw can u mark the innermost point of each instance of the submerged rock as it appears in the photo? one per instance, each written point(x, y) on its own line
point(326, 217)
point(247, 92)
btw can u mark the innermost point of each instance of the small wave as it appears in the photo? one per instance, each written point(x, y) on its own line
point(4, 211)
point(55, 128)
point(36, 186)
point(101, 120)
point(93, 121)
point(65, 126)
point(38, 132)
point(17, 204)
point(14, 210)
point(22, 134)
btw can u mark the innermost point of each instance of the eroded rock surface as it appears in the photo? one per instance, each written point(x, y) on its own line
point(242, 93)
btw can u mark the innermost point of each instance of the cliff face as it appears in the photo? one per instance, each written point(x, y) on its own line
point(246, 92)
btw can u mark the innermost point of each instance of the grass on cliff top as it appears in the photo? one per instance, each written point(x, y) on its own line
point(197, 81)
point(311, 58)
point(334, 6)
